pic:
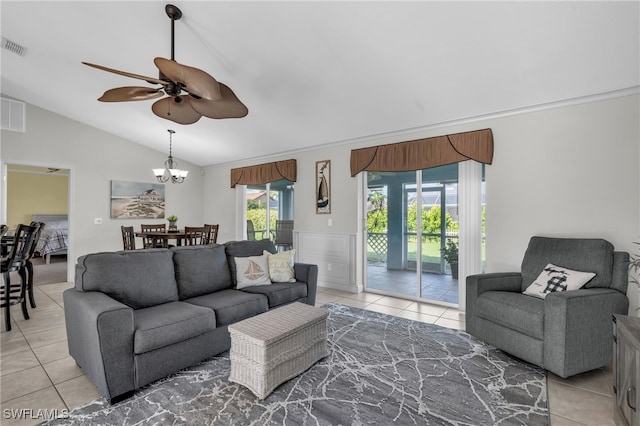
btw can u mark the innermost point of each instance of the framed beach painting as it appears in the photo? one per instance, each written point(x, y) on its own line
point(137, 200)
point(323, 187)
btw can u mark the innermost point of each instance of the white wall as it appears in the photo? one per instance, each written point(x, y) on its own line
point(562, 171)
point(95, 158)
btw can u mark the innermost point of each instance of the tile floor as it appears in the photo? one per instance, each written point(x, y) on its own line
point(436, 287)
point(37, 373)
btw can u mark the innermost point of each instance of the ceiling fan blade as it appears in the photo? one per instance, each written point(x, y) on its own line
point(192, 80)
point(229, 107)
point(179, 112)
point(127, 74)
point(122, 94)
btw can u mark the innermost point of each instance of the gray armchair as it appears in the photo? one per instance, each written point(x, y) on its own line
point(567, 332)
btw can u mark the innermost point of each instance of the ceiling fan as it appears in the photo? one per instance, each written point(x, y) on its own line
point(204, 95)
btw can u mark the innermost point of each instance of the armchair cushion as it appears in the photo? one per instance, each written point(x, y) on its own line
point(513, 310)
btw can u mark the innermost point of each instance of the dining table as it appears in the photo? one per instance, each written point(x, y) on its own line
point(179, 235)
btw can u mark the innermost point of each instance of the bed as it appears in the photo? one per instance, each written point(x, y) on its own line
point(53, 238)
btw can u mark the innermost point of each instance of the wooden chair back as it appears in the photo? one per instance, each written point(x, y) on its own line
point(213, 233)
point(128, 237)
point(196, 235)
point(150, 241)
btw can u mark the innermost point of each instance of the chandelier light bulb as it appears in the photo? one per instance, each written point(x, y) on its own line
point(170, 172)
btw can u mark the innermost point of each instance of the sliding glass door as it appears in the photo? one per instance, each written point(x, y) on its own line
point(410, 218)
point(266, 205)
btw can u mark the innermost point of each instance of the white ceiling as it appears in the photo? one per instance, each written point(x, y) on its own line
point(314, 73)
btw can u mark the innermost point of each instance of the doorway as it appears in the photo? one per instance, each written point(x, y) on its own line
point(410, 217)
point(41, 190)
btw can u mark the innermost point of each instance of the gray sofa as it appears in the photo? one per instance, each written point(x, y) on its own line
point(136, 316)
point(567, 332)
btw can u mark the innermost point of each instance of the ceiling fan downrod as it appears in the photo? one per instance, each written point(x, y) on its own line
point(174, 13)
point(172, 89)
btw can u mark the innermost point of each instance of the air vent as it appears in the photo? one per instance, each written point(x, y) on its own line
point(13, 117)
point(14, 47)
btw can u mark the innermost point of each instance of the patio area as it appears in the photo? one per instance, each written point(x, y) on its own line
point(435, 287)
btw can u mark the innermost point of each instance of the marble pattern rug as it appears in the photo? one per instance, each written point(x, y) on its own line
point(380, 370)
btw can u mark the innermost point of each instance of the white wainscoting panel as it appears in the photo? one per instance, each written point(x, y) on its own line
point(335, 255)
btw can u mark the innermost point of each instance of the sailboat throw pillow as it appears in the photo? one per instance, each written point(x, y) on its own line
point(252, 270)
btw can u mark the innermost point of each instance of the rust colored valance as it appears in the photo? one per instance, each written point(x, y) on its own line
point(264, 173)
point(424, 153)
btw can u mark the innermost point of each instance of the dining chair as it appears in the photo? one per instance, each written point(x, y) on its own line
point(213, 233)
point(153, 242)
point(28, 265)
point(196, 235)
point(252, 234)
point(14, 294)
point(284, 234)
point(128, 237)
point(3, 231)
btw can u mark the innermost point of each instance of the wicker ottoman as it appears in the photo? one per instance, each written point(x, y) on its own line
point(271, 348)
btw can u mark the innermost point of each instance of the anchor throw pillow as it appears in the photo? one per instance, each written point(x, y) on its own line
point(252, 270)
point(557, 278)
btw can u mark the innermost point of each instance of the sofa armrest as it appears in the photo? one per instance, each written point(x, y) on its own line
point(308, 274)
point(100, 338)
point(577, 329)
point(478, 284)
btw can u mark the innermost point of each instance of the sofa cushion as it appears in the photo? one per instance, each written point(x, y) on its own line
point(137, 278)
point(201, 269)
point(169, 323)
point(245, 249)
point(579, 254)
point(514, 310)
point(280, 293)
point(232, 305)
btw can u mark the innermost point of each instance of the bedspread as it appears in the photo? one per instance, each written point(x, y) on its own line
point(52, 241)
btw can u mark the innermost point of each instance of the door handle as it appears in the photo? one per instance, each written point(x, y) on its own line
point(632, 388)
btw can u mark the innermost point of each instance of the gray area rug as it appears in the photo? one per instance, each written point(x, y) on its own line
point(380, 370)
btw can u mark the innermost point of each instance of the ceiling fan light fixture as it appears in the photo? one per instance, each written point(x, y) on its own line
point(170, 172)
point(217, 100)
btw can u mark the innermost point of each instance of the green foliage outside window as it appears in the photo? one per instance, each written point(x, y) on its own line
point(259, 218)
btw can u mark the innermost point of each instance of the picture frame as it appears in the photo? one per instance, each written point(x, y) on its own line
point(137, 200)
point(323, 187)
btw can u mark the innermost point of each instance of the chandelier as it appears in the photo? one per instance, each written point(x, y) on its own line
point(171, 171)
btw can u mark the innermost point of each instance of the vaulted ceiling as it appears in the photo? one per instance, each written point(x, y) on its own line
point(314, 73)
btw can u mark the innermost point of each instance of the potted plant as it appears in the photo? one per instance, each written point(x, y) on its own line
point(450, 254)
point(173, 222)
